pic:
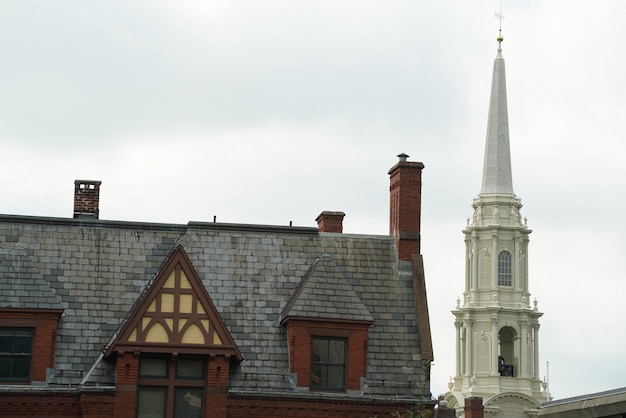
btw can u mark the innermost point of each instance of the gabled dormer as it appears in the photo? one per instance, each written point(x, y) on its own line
point(327, 326)
point(176, 314)
point(174, 347)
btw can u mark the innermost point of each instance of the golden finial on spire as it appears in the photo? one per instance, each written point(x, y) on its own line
point(500, 38)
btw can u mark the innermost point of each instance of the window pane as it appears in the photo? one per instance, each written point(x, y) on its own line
point(6, 340)
point(187, 403)
point(153, 367)
point(151, 402)
point(189, 369)
point(504, 269)
point(21, 368)
point(5, 367)
point(23, 342)
point(316, 376)
point(319, 351)
point(335, 377)
point(336, 351)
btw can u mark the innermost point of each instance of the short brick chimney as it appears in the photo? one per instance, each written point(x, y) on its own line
point(87, 199)
point(330, 222)
point(405, 187)
point(474, 407)
point(442, 410)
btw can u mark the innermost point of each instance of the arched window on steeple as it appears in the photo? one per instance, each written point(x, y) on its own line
point(504, 269)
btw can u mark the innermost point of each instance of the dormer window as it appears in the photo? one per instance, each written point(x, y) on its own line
point(27, 342)
point(16, 345)
point(328, 363)
point(170, 387)
point(504, 269)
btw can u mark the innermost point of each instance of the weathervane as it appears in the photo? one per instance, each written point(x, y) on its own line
point(500, 17)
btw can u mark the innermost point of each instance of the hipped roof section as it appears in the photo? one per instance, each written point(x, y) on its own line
point(324, 293)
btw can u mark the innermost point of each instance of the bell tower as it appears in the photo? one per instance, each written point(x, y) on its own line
point(497, 327)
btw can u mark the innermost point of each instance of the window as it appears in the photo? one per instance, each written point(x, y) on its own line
point(170, 387)
point(16, 348)
point(504, 269)
point(328, 363)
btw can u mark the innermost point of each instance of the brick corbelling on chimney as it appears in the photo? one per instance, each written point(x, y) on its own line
point(87, 198)
point(405, 189)
point(330, 222)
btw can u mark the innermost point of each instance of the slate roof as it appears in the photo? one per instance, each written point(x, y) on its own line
point(96, 270)
point(21, 285)
point(324, 293)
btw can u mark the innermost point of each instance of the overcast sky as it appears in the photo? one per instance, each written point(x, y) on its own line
point(268, 112)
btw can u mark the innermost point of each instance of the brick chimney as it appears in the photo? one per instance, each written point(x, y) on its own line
point(405, 187)
point(474, 407)
point(442, 410)
point(86, 198)
point(330, 222)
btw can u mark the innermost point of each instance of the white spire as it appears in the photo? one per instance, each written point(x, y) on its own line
point(497, 178)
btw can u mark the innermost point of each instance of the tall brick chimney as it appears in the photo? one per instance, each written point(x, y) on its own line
point(405, 187)
point(330, 222)
point(87, 199)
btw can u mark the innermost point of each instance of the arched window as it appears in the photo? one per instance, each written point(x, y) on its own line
point(504, 269)
point(509, 352)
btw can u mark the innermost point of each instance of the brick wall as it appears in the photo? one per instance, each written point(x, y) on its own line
point(97, 404)
point(244, 407)
point(57, 403)
point(127, 372)
point(109, 404)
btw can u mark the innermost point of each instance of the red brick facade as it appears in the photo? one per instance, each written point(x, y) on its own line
point(64, 403)
point(118, 404)
point(240, 407)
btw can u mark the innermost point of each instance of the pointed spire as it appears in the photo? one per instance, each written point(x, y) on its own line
point(497, 178)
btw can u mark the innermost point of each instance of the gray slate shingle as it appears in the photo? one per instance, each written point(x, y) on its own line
point(96, 271)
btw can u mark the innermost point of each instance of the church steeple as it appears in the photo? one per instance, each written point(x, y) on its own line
point(497, 329)
point(497, 178)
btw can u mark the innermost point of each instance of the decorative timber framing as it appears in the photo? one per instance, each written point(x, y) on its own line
point(176, 315)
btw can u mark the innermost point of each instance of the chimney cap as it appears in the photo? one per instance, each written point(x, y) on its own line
point(403, 157)
point(86, 183)
point(330, 213)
